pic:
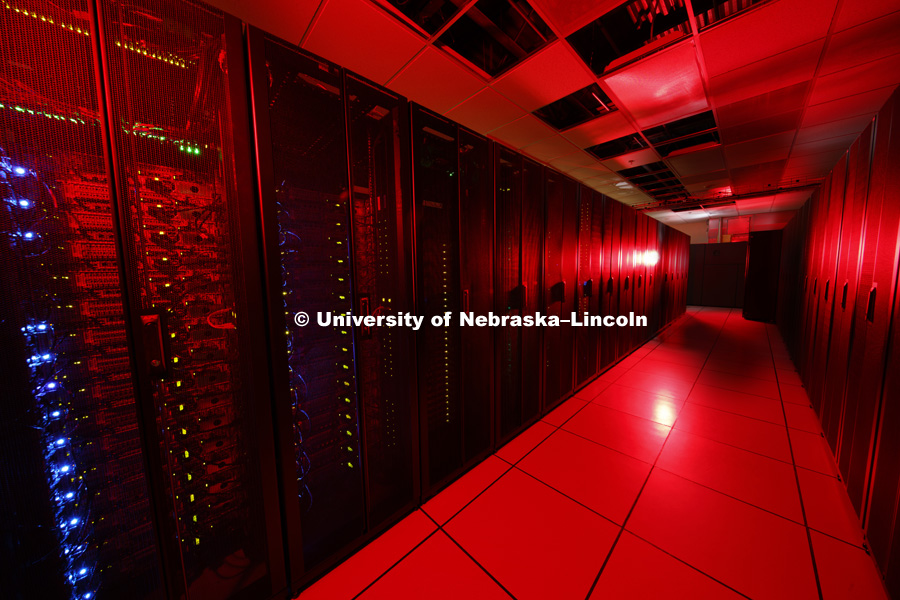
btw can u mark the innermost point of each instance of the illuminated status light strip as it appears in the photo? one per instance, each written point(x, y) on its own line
point(47, 19)
point(64, 478)
point(166, 57)
point(183, 145)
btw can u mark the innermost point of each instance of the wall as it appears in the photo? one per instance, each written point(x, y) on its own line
point(838, 312)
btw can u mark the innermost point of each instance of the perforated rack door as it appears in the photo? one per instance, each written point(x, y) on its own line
point(72, 482)
point(435, 176)
point(176, 98)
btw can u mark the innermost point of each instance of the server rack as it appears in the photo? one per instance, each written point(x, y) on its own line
point(588, 290)
point(336, 222)
point(454, 226)
point(560, 280)
point(520, 230)
point(609, 276)
point(77, 511)
point(182, 168)
point(624, 337)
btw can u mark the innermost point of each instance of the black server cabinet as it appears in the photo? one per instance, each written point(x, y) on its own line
point(77, 518)
point(638, 334)
point(609, 277)
point(182, 169)
point(845, 286)
point(872, 319)
point(560, 280)
point(624, 335)
point(520, 231)
point(454, 228)
point(476, 220)
point(336, 229)
point(588, 291)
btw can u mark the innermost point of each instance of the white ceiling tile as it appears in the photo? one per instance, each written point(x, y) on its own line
point(695, 163)
point(547, 76)
point(769, 30)
point(568, 162)
point(864, 43)
point(863, 78)
point(436, 81)
point(523, 131)
point(762, 150)
point(851, 106)
point(777, 72)
point(550, 148)
point(834, 129)
point(346, 32)
point(485, 111)
point(633, 159)
point(599, 130)
point(662, 87)
point(854, 13)
point(287, 21)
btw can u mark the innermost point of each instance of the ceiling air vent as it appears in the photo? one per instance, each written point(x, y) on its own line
point(630, 31)
point(576, 108)
point(617, 147)
point(693, 131)
point(494, 35)
point(657, 181)
point(713, 11)
point(430, 15)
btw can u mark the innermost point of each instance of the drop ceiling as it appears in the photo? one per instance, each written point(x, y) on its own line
point(789, 83)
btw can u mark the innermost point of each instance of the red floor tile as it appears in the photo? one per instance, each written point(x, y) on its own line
point(553, 552)
point(602, 479)
point(846, 571)
point(678, 356)
point(459, 493)
point(738, 383)
point(758, 480)
point(561, 413)
point(437, 569)
point(637, 570)
point(613, 373)
point(750, 434)
point(748, 405)
point(740, 368)
point(789, 377)
point(647, 405)
point(666, 369)
point(522, 444)
point(677, 389)
point(361, 569)
point(590, 391)
point(755, 552)
point(811, 451)
point(794, 394)
point(636, 437)
point(828, 507)
point(802, 417)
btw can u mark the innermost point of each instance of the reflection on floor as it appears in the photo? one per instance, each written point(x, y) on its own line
point(695, 468)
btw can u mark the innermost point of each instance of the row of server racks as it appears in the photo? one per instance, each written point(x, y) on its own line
point(840, 315)
point(176, 187)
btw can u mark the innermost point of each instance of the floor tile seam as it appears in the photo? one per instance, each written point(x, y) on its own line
point(722, 410)
point(637, 499)
point(754, 452)
point(472, 558)
point(681, 404)
point(719, 387)
point(684, 562)
point(812, 551)
point(565, 494)
point(401, 559)
point(473, 498)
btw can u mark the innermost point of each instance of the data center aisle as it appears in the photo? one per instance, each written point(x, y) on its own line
point(695, 468)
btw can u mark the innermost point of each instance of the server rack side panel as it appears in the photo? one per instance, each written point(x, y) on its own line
point(476, 211)
point(845, 285)
point(871, 318)
point(589, 249)
point(307, 212)
point(436, 193)
point(78, 515)
point(181, 182)
point(380, 199)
